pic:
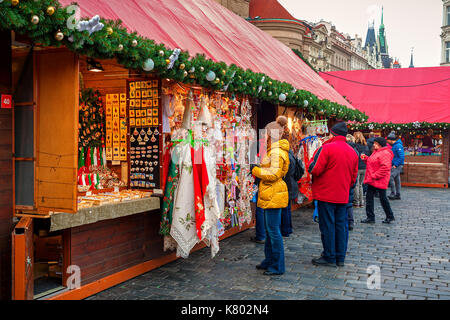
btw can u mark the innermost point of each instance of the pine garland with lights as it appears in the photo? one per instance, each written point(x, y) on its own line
point(400, 127)
point(45, 23)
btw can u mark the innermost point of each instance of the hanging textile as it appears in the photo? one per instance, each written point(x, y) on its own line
point(200, 184)
point(168, 200)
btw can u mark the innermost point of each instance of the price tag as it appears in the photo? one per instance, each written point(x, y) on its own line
point(6, 101)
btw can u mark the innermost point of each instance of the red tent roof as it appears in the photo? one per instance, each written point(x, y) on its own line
point(268, 9)
point(205, 27)
point(397, 95)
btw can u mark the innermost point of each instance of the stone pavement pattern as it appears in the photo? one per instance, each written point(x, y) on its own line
point(413, 255)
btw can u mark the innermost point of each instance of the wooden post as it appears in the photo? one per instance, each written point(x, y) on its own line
point(23, 260)
point(6, 176)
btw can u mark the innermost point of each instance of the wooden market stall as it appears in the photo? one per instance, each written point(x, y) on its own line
point(90, 131)
point(414, 103)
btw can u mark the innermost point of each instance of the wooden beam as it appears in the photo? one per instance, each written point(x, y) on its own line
point(425, 185)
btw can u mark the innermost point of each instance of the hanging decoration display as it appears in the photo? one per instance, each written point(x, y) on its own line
point(94, 39)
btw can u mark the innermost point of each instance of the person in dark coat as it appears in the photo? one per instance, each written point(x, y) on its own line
point(370, 141)
point(291, 178)
point(351, 197)
point(361, 148)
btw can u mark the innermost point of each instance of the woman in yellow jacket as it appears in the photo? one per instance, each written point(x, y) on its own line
point(273, 194)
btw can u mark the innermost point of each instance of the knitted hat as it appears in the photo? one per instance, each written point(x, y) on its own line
point(339, 129)
point(391, 136)
point(381, 141)
point(275, 129)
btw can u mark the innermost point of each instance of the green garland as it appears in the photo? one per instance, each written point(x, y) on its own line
point(114, 42)
point(400, 127)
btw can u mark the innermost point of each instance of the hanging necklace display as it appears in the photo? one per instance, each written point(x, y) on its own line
point(135, 132)
point(149, 131)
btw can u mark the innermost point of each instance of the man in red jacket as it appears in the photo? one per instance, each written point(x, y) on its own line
point(334, 169)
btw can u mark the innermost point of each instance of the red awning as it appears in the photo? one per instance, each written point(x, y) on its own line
point(204, 26)
point(397, 95)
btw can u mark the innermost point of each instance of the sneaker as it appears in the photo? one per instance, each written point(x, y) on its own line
point(386, 221)
point(368, 221)
point(322, 262)
point(340, 264)
point(395, 197)
point(260, 267)
point(253, 239)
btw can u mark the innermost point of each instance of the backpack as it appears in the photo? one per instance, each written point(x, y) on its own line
point(299, 169)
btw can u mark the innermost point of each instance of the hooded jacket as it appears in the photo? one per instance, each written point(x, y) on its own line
point(378, 170)
point(273, 191)
point(399, 153)
point(334, 168)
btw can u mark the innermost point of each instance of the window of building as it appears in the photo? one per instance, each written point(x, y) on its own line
point(447, 52)
point(448, 15)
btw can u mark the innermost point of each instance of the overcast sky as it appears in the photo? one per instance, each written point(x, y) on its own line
point(408, 23)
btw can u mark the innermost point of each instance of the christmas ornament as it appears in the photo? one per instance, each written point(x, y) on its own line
point(14, 2)
point(134, 43)
point(120, 47)
point(161, 53)
point(91, 26)
point(35, 19)
point(109, 30)
point(224, 72)
point(148, 65)
point(217, 80)
point(182, 66)
point(59, 35)
point(305, 103)
point(50, 10)
point(185, 73)
point(192, 70)
point(210, 76)
point(167, 61)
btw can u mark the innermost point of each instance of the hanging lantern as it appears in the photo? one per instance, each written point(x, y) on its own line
point(50, 10)
point(35, 19)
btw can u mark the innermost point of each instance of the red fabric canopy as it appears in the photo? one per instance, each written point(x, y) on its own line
point(204, 26)
point(424, 97)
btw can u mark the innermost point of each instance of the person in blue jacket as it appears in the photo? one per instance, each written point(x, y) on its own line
point(397, 165)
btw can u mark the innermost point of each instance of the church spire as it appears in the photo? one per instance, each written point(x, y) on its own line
point(411, 65)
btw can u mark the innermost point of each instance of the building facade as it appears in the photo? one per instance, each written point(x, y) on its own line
point(325, 48)
point(445, 34)
point(239, 7)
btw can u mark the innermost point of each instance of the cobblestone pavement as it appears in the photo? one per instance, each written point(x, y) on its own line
point(412, 253)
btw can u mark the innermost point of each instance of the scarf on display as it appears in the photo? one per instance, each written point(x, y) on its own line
point(201, 182)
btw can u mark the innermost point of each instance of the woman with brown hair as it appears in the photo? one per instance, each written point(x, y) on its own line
point(273, 194)
point(362, 148)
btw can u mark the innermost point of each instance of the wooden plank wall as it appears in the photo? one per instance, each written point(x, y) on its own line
point(6, 194)
point(110, 246)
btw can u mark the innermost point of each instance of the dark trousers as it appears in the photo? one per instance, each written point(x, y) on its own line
point(273, 248)
point(333, 227)
point(286, 221)
point(384, 203)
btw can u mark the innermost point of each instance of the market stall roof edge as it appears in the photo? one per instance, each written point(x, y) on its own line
point(411, 97)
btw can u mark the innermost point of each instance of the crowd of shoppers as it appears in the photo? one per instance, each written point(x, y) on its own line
point(347, 171)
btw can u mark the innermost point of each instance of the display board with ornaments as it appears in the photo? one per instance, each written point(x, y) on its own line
point(91, 125)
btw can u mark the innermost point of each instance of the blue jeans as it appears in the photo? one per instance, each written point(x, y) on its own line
point(333, 227)
point(273, 248)
point(286, 221)
point(260, 233)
